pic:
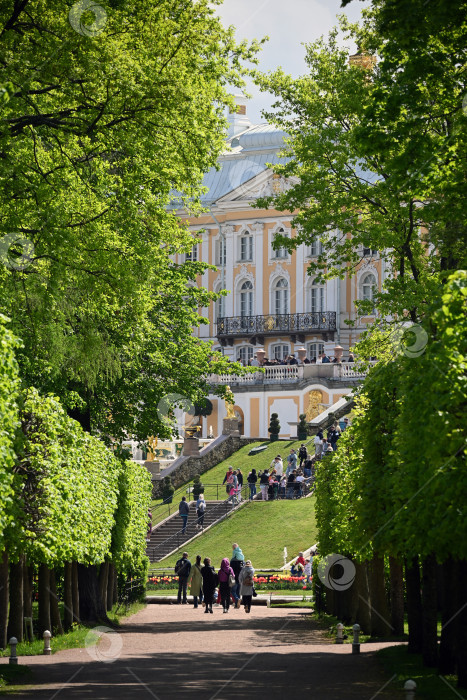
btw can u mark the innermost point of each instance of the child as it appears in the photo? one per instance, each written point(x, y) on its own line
point(307, 571)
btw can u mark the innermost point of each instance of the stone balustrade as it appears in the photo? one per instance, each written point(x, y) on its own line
point(280, 374)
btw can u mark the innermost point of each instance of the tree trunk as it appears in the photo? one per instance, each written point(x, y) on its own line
point(103, 582)
point(430, 612)
point(449, 607)
point(363, 616)
point(4, 595)
point(68, 596)
point(91, 608)
point(110, 586)
point(115, 588)
point(414, 605)
point(396, 596)
point(44, 599)
point(15, 617)
point(27, 589)
point(462, 626)
point(380, 624)
point(54, 608)
point(75, 591)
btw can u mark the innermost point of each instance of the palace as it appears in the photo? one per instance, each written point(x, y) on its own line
point(273, 308)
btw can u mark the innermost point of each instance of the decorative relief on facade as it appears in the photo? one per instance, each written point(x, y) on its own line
point(315, 405)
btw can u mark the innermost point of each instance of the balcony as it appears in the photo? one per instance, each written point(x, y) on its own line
point(256, 328)
point(292, 374)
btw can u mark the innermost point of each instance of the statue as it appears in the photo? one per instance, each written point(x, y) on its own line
point(152, 444)
point(229, 401)
point(314, 405)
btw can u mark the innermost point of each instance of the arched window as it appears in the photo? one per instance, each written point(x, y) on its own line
point(368, 287)
point(280, 352)
point(314, 350)
point(279, 253)
point(246, 247)
point(246, 299)
point(317, 296)
point(219, 308)
point(281, 296)
point(245, 354)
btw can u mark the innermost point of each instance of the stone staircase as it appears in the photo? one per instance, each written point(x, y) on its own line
point(167, 536)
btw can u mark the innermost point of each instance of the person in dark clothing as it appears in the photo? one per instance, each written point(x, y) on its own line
point(264, 484)
point(240, 478)
point(183, 511)
point(290, 485)
point(252, 479)
point(333, 437)
point(308, 467)
point(224, 574)
point(236, 563)
point(210, 581)
point(302, 454)
point(183, 568)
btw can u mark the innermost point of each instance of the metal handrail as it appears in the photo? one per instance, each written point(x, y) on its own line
point(180, 537)
point(182, 491)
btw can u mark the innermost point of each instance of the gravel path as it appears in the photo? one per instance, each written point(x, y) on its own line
point(174, 651)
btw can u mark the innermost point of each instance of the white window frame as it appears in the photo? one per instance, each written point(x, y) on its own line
point(246, 247)
point(315, 249)
point(246, 299)
point(310, 349)
point(221, 252)
point(284, 303)
point(316, 297)
point(193, 255)
point(280, 253)
point(247, 350)
point(283, 348)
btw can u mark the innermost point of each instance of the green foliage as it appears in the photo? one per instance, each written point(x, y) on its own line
point(9, 389)
point(302, 428)
point(167, 490)
point(66, 485)
point(274, 426)
point(198, 487)
point(100, 137)
point(131, 519)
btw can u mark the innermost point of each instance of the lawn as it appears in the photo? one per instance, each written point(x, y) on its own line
point(262, 531)
point(240, 459)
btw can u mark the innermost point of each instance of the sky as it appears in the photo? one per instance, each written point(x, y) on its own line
point(289, 24)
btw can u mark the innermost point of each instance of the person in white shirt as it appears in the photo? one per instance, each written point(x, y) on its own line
point(277, 465)
point(318, 445)
point(254, 362)
point(299, 480)
point(307, 570)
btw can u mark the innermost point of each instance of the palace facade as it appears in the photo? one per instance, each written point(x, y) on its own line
point(272, 305)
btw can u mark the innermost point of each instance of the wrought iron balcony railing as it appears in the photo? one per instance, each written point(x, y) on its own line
point(273, 324)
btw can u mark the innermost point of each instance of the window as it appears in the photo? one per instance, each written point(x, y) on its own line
point(193, 256)
point(280, 352)
point(317, 296)
point(368, 252)
point(315, 249)
point(368, 287)
point(281, 297)
point(314, 350)
point(219, 308)
point(246, 247)
point(221, 256)
point(246, 299)
point(280, 253)
point(245, 354)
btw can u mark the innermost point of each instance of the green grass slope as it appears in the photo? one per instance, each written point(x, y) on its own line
point(262, 530)
point(240, 459)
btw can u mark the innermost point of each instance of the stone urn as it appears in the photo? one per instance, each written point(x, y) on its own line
point(301, 353)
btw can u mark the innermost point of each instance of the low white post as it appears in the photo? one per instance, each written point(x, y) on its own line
point(13, 658)
point(356, 643)
point(340, 633)
point(285, 556)
point(410, 688)
point(47, 650)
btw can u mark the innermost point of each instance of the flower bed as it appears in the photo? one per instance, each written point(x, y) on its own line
point(276, 582)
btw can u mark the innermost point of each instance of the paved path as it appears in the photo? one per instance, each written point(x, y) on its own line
point(174, 651)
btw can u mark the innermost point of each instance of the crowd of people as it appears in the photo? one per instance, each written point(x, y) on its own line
point(232, 583)
point(322, 358)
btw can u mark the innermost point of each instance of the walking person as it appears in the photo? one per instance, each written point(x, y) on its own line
point(210, 581)
point(183, 511)
point(302, 454)
point(264, 484)
point(237, 565)
point(291, 462)
point(196, 581)
point(200, 511)
point(224, 574)
point(252, 479)
point(228, 478)
point(318, 445)
point(183, 568)
point(246, 585)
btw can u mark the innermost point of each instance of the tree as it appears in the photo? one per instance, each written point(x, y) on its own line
point(302, 427)
point(355, 190)
point(111, 119)
point(274, 427)
point(167, 490)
